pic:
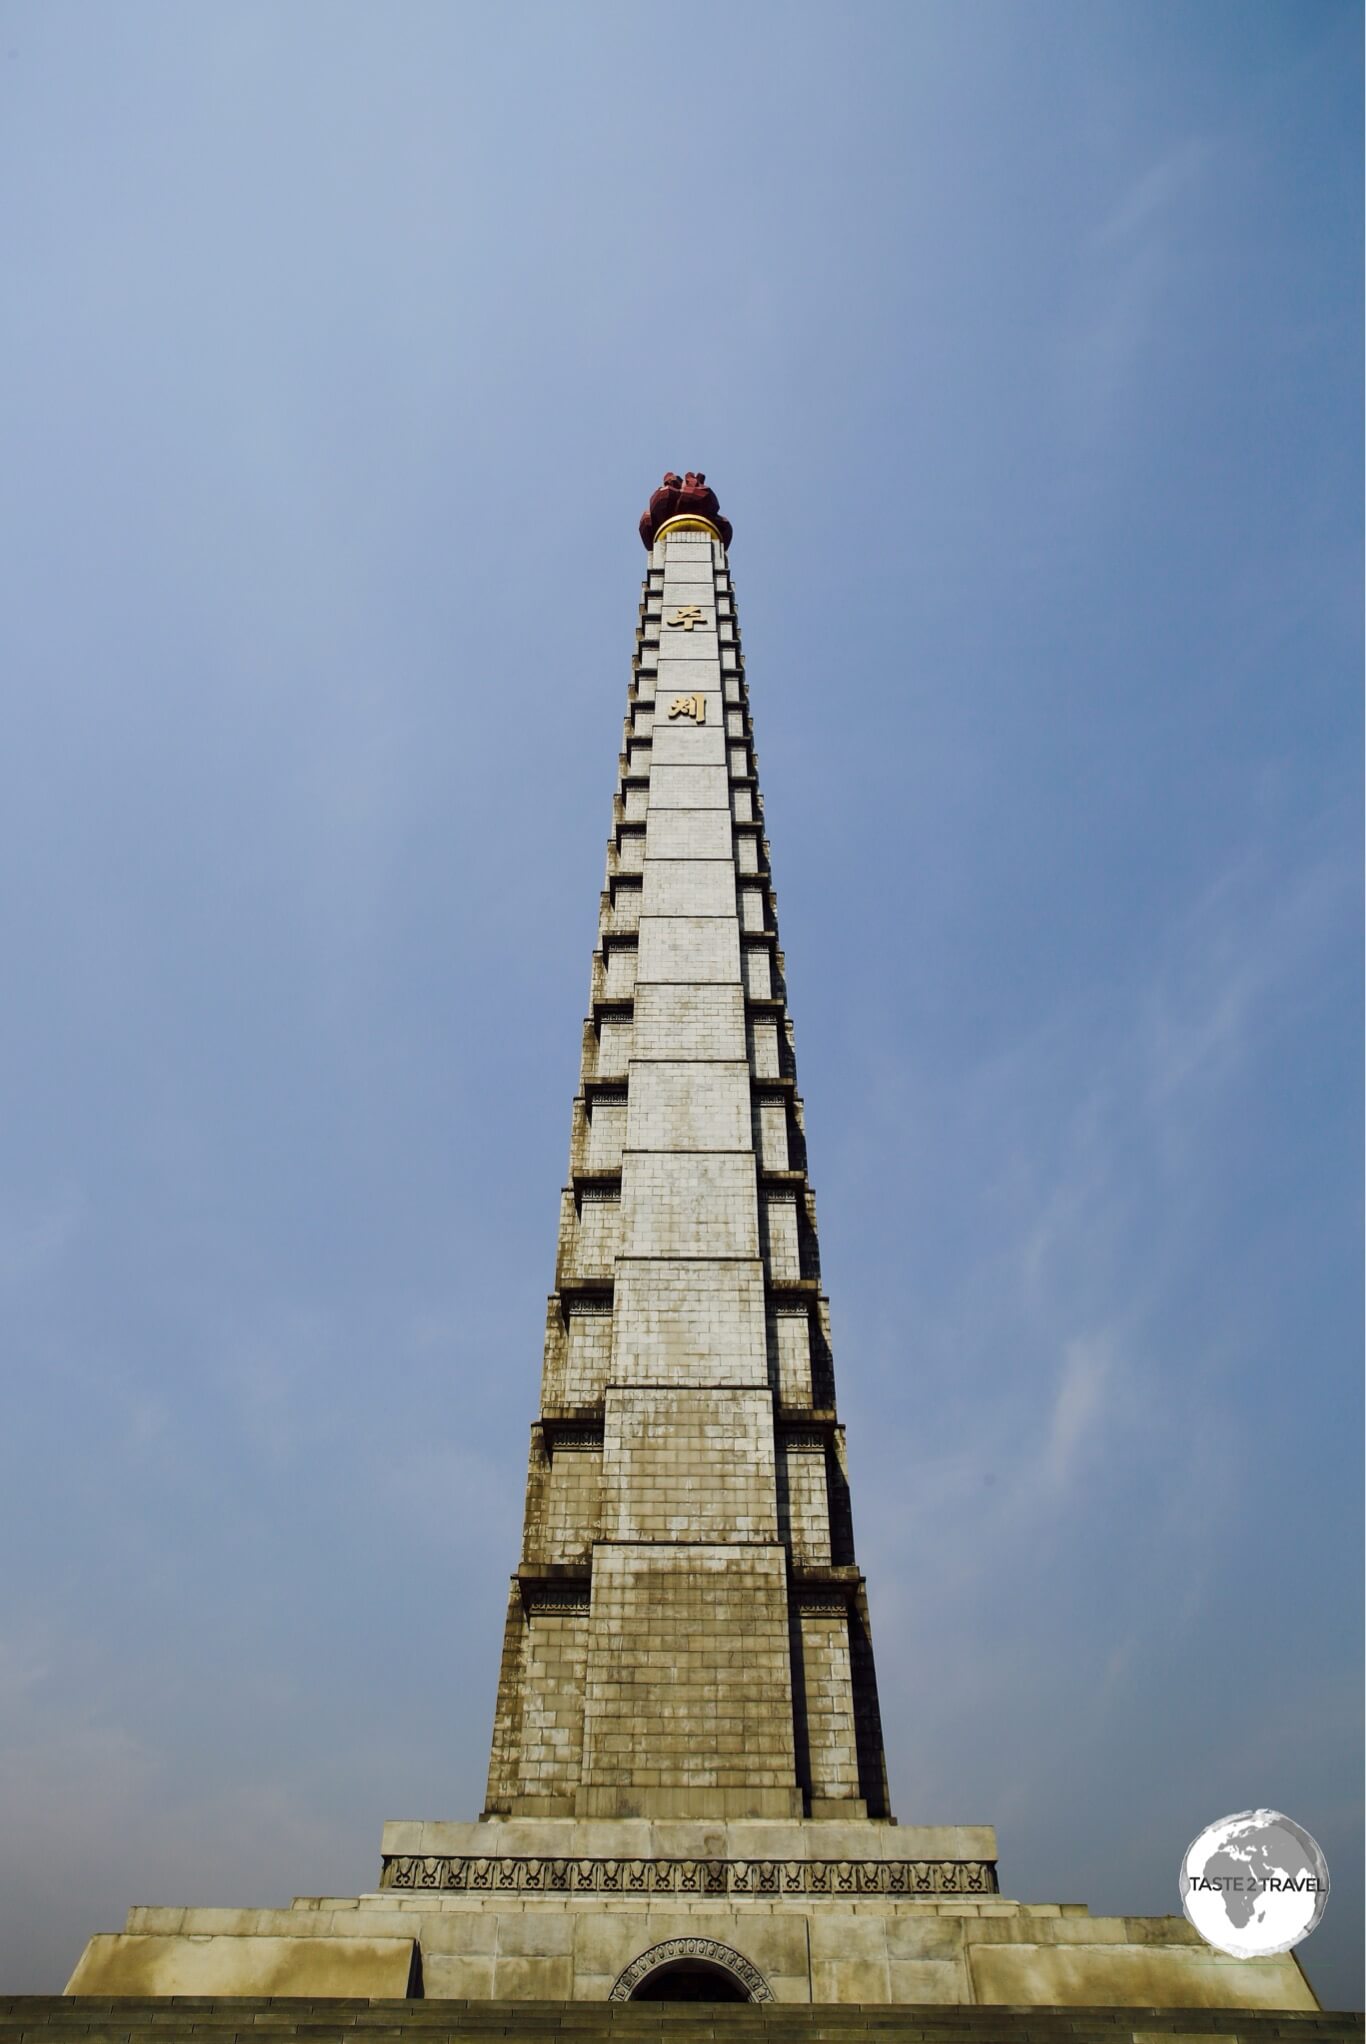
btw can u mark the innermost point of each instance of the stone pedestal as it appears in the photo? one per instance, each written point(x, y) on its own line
point(561, 1910)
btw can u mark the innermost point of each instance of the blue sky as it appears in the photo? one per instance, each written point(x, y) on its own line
point(342, 346)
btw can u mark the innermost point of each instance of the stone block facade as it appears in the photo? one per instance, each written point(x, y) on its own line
point(674, 1336)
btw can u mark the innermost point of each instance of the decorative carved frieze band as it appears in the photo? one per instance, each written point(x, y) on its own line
point(814, 1877)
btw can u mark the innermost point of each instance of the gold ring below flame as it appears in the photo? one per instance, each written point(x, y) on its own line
point(687, 521)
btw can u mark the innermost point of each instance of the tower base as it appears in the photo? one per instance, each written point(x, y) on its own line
point(561, 1910)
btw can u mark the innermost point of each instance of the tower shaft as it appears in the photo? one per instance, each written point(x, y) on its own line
point(687, 1632)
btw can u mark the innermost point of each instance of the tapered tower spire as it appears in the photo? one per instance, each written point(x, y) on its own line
point(687, 1633)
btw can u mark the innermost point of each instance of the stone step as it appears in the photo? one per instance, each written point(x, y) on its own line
point(230, 2019)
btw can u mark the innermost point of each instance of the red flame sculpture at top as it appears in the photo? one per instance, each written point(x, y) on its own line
point(682, 497)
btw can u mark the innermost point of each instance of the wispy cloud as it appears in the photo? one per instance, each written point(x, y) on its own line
point(1239, 962)
point(1091, 1137)
point(1079, 1409)
point(1122, 272)
point(1150, 195)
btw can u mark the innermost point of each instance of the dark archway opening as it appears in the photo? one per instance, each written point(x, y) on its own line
point(690, 1981)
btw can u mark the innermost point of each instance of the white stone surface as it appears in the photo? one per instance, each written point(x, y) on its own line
point(689, 1106)
point(688, 834)
point(690, 787)
point(678, 1022)
point(688, 1464)
point(679, 1205)
point(686, 744)
point(689, 1323)
point(688, 887)
point(691, 950)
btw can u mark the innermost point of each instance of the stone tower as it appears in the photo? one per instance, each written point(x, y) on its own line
point(687, 1795)
point(687, 1633)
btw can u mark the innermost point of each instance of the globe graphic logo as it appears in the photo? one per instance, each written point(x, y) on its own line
point(1254, 1884)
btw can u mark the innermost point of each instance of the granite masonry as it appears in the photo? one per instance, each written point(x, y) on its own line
point(687, 1795)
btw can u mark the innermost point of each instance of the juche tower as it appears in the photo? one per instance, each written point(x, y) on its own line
point(687, 1634)
point(687, 1796)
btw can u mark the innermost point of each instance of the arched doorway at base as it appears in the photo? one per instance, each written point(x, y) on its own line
point(690, 1980)
point(691, 1969)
